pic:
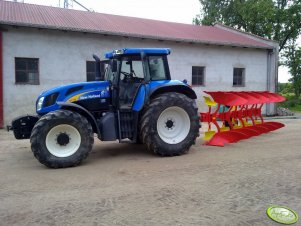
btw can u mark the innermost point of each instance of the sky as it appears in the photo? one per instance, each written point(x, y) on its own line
point(181, 11)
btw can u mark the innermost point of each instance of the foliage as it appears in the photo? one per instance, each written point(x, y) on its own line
point(285, 88)
point(279, 20)
point(292, 103)
point(296, 108)
point(293, 62)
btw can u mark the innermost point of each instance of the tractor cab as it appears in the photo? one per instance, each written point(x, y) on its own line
point(129, 70)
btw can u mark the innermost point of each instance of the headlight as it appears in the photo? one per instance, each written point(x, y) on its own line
point(40, 103)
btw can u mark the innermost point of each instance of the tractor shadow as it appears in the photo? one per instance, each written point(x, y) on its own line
point(112, 150)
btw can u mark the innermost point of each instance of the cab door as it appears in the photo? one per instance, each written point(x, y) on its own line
point(131, 76)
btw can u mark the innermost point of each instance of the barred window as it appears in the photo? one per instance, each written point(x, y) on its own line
point(27, 71)
point(198, 76)
point(238, 77)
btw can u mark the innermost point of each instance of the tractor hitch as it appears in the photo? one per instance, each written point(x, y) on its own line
point(22, 126)
point(9, 128)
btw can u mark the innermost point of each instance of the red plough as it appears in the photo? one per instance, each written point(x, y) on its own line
point(240, 114)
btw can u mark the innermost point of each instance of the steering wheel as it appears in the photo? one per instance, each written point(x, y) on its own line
point(127, 76)
point(133, 73)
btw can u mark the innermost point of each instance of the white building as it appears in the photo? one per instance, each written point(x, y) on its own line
point(42, 47)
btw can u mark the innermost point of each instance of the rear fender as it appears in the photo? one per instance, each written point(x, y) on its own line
point(184, 89)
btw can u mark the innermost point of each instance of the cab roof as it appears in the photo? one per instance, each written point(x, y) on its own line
point(133, 51)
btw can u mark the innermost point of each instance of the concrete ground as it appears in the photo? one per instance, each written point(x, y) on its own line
point(124, 184)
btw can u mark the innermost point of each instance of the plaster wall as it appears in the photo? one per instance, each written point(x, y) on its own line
point(63, 55)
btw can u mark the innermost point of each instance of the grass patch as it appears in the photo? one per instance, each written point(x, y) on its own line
point(292, 103)
point(296, 108)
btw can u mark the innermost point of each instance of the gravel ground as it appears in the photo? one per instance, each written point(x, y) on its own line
point(124, 184)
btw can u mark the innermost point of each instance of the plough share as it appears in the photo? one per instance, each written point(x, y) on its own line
point(237, 116)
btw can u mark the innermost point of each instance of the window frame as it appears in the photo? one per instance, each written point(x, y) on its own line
point(27, 71)
point(204, 76)
point(243, 79)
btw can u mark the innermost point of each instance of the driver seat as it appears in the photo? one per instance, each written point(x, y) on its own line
point(127, 93)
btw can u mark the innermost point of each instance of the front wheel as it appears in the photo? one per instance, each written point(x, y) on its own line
point(61, 139)
point(170, 124)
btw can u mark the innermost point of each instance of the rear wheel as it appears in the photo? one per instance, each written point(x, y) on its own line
point(170, 124)
point(61, 139)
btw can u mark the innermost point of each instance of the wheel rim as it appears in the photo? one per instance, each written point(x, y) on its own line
point(173, 125)
point(63, 140)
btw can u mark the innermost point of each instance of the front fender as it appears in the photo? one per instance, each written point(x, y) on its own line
point(82, 111)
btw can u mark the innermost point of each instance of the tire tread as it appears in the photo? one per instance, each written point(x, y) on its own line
point(149, 134)
point(36, 139)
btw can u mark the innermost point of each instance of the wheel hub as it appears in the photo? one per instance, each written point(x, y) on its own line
point(169, 124)
point(173, 125)
point(63, 139)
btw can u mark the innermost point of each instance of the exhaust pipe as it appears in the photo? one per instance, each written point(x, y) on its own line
point(98, 76)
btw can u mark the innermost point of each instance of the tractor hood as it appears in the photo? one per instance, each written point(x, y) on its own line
point(47, 101)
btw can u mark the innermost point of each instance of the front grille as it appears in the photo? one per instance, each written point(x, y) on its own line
point(50, 99)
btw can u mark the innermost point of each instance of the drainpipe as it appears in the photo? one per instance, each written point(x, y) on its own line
point(269, 68)
point(1, 80)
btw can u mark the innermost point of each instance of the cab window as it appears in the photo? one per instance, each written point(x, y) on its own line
point(109, 75)
point(131, 66)
point(157, 68)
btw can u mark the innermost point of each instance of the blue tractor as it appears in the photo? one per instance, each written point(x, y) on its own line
point(133, 98)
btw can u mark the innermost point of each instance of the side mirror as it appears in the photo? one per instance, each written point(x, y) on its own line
point(114, 65)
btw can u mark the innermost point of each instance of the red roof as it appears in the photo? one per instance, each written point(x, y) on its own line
point(28, 15)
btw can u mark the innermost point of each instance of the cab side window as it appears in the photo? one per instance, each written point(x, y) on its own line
point(132, 67)
point(157, 68)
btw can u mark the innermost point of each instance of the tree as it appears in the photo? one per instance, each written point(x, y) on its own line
point(293, 61)
point(285, 88)
point(279, 20)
